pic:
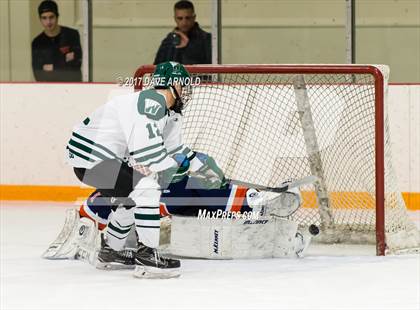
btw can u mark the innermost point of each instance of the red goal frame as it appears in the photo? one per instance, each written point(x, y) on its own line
point(318, 69)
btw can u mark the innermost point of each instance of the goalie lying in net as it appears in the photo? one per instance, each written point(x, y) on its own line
point(185, 199)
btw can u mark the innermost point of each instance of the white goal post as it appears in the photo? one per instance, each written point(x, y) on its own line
point(266, 123)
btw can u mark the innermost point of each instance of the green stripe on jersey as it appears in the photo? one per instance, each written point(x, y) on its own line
point(87, 149)
point(95, 144)
point(157, 161)
point(176, 150)
point(150, 156)
point(80, 155)
point(151, 147)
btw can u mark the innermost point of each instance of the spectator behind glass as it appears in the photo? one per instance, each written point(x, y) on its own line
point(187, 43)
point(56, 52)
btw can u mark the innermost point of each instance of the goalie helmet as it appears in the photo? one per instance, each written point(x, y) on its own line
point(168, 74)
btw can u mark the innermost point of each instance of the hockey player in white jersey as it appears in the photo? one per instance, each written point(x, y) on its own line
point(145, 127)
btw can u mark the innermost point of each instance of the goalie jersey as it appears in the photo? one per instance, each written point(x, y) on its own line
point(189, 196)
point(137, 126)
point(186, 198)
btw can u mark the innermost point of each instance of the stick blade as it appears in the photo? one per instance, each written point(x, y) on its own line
point(304, 181)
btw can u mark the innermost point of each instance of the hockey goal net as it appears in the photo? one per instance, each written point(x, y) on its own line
point(267, 123)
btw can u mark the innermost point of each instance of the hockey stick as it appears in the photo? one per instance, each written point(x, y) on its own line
point(304, 181)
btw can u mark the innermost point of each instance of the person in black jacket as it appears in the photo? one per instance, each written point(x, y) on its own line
point(56, 52)
point(187, 43)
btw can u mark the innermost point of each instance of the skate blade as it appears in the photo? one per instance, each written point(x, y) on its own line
point(147, 272)
point(113, 266)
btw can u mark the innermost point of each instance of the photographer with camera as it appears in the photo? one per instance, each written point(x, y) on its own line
point(187, 43)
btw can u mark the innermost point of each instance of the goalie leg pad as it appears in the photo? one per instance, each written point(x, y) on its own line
point(77, 239)
point(290, 241)
point(87, 240)
point(216, 238)
point(59, 248)
point(221, 238)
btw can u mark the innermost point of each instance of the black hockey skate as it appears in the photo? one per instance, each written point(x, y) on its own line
point(151, 265)
point(110, 259)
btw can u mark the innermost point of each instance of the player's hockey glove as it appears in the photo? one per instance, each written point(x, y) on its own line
point(175, 174)
point(208, 174)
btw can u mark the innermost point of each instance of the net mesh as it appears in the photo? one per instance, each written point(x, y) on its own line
point(252, 124)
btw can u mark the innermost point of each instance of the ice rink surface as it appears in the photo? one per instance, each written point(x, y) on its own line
point(328, 278)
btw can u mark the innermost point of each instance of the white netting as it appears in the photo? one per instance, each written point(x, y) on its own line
point(252, 125)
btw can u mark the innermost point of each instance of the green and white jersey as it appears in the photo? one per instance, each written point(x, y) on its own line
point(137, 125)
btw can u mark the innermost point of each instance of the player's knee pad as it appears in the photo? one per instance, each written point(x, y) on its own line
point(147, 192)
